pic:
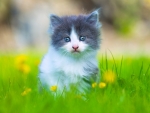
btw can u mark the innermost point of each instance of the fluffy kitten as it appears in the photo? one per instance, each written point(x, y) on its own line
point(71, 58)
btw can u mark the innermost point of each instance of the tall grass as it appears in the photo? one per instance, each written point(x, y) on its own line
point(129, 92)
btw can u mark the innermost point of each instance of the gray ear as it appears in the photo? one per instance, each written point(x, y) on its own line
point(55, 21)
point(93, 18)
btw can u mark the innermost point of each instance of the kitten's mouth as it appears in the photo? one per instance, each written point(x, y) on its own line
point(75, 51)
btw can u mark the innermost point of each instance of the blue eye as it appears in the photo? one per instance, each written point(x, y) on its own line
point(67, 39)
point(82, 38)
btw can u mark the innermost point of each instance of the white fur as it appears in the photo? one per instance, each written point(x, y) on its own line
point(61, 70)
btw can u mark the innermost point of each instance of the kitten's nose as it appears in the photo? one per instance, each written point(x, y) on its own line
point(75, 47)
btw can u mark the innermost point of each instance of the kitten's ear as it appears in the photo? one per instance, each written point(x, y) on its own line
point(93, 18)
point(55, 20)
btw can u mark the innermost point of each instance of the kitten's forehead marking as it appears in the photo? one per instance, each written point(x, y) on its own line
point(74, 37)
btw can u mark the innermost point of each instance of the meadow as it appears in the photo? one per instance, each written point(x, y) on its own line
point(124, 87)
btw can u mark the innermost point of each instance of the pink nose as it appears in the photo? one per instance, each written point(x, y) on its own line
point(75, 47)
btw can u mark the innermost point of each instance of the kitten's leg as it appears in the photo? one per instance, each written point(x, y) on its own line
point(93, 75)
point(96, 75)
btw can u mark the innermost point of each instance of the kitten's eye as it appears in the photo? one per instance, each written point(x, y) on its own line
point(82, 38)
point(67, 39)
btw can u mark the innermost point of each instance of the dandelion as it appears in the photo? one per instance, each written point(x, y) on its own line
point(26, 91)
point(21, 64)
point(53, 88)
point(94, 85)
point(102, 85)
point(21, 59)
point(109, 76)
point(25, 68)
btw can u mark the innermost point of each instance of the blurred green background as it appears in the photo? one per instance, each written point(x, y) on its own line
point(126, 24)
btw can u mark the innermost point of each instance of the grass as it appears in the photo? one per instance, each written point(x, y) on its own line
point(128, 92)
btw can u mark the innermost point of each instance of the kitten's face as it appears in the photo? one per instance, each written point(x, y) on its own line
point(75, 35)
point(74, 43)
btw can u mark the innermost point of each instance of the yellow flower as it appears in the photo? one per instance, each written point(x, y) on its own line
point(21, 59)
point(25, 69)
point(53, 88)
point(21, 64)
point(94, 85)
point(26, 91)
point(102, 85)
point(109, 76)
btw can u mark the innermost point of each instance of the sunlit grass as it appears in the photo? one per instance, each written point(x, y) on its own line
point(124, 88)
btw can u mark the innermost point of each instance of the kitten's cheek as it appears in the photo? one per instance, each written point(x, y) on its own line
point(83, 47)
point(67, 47)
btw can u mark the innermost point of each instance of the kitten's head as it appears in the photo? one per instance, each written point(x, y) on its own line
point(75, 35)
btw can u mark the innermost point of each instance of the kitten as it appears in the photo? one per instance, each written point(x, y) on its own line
point(71, 58)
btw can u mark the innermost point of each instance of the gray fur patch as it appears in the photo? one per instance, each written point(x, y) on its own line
point(84, 26)
point(93, 71)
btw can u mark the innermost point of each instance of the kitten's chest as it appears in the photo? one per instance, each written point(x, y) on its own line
point(72, 68)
